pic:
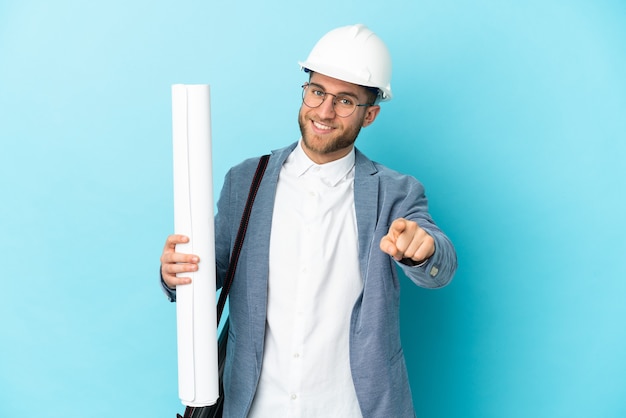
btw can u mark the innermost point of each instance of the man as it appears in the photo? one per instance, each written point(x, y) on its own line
point(314, 304)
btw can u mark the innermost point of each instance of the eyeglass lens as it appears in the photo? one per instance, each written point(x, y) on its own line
point(313, 96)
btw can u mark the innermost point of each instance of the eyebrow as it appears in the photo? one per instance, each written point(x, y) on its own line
point(341, 93)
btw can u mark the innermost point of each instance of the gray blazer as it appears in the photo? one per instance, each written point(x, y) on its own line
point(376, 358)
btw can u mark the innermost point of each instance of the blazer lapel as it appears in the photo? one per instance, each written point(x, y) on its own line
point(366, 206)
point(258, 248)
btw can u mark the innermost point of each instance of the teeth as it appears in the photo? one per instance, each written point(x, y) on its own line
point(320, 126)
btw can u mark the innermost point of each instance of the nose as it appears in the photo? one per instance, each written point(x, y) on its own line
point(327, 109)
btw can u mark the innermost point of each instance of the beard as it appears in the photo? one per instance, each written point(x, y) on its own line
point(315, 143)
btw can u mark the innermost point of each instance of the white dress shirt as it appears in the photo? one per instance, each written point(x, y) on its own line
point(314, 281)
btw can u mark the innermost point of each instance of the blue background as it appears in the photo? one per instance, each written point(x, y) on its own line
point(511, 113)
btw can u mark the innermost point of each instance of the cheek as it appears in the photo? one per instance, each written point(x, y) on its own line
point(302, 114)
point(360, 122)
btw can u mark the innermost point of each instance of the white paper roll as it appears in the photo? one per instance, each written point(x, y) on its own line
point(198, 383)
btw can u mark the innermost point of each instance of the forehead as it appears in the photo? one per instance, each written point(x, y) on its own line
point(335, 86)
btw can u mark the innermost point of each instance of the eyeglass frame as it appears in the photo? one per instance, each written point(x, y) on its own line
point(335, 96)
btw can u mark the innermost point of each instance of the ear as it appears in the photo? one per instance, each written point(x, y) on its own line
point(370, 115)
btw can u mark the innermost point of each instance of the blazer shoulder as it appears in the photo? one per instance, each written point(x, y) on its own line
point(277, 156)
point(387, 176)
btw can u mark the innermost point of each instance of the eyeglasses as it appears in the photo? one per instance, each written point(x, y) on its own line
point(344, 105)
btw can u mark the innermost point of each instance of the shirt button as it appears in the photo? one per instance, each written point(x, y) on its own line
point(296, 355)
point(294, 397)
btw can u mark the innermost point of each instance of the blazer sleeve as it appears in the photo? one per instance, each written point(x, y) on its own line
point(439, 269)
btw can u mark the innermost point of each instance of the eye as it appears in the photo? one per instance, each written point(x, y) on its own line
point(345, 101)
point(318, 93)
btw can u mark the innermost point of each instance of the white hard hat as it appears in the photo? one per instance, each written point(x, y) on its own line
point(353, 54)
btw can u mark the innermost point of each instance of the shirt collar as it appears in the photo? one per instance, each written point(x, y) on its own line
point(331, 173)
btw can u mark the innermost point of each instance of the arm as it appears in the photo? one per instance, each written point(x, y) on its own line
point(421, 249)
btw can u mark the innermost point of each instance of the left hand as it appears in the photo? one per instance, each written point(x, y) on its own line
point(406, 239)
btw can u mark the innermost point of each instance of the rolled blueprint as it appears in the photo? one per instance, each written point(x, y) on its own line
point(198, 383)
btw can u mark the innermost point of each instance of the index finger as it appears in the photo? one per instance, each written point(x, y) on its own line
point(397, 227)
point(173, 240)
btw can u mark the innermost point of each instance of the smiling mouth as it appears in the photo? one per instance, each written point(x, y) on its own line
point(321, 126)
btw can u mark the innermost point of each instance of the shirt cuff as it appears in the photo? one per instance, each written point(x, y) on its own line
point(409, 262)
point(170, 293)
